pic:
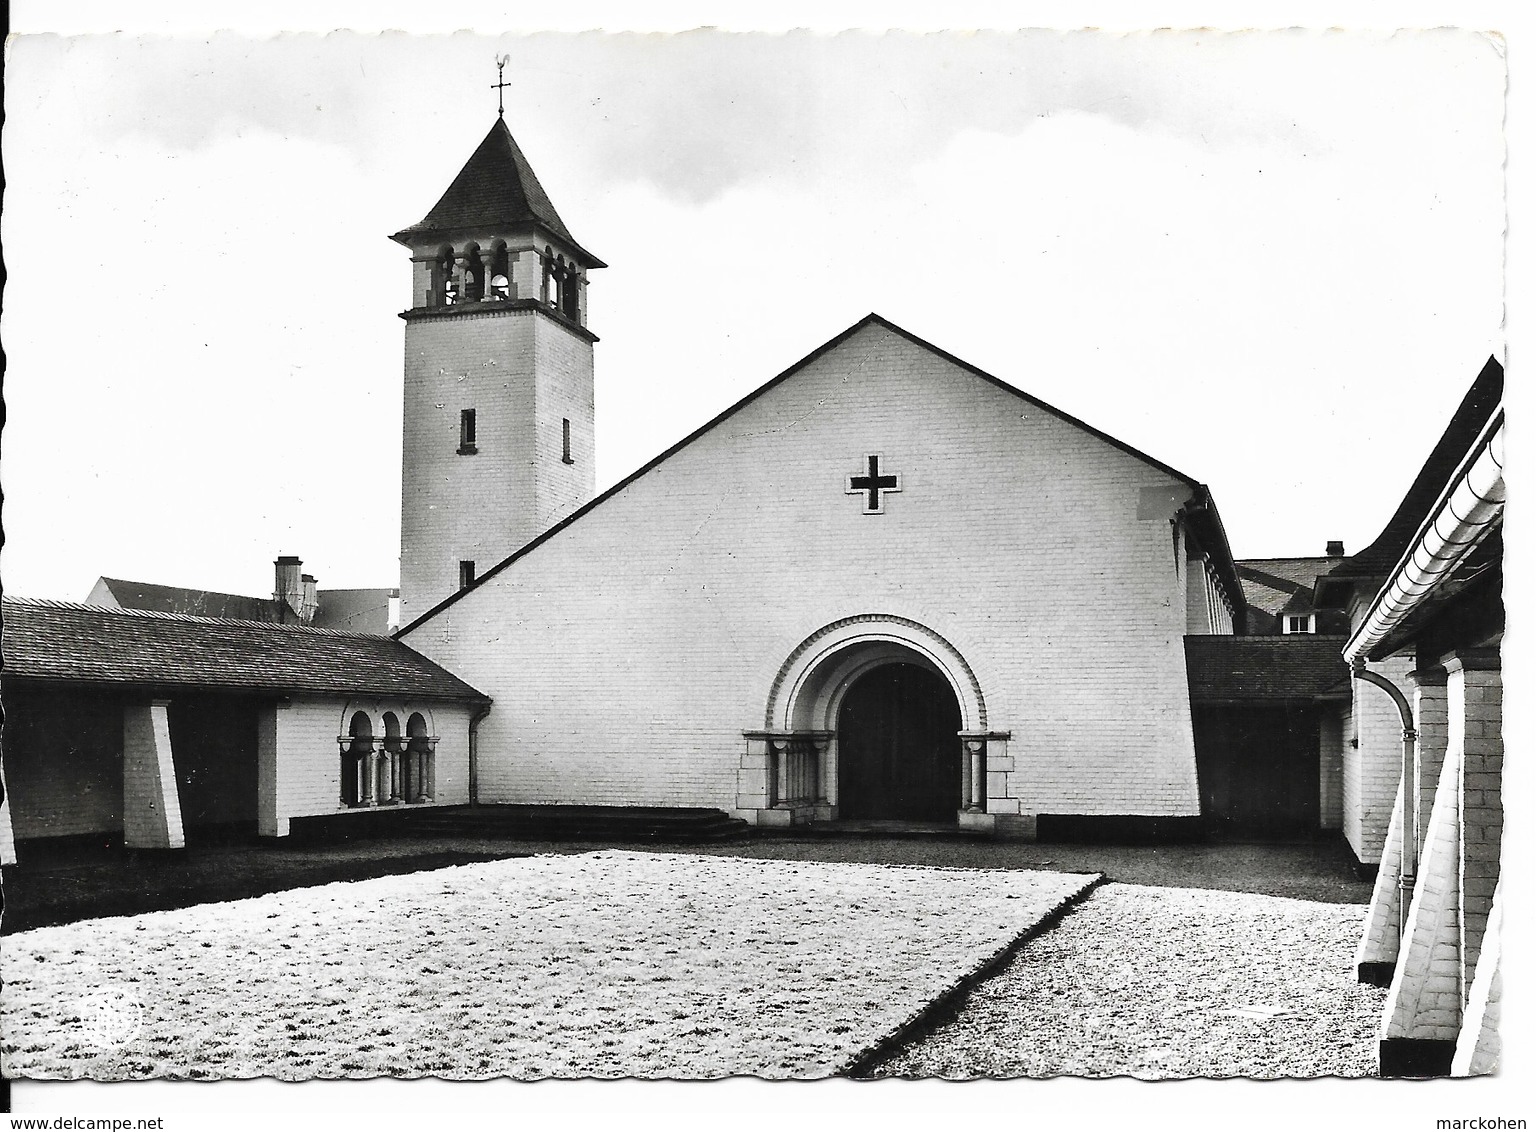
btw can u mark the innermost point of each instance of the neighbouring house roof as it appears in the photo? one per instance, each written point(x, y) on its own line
point(1200, 510)
point(356, 611)
point(99, 645)
point(496, 189)
point(1466, 424)
point(1245, 669)
point(180, 599)
point(1282, 585)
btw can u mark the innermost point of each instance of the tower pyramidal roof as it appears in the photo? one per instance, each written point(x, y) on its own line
point(496, 189)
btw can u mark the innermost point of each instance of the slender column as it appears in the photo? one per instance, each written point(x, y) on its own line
point(819, 745)
point(779, 778)
point(974, 776)
point(486, 260)
point(462, 275)
point(370, 778)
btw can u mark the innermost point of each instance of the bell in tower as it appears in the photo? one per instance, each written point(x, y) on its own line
point(496, 341)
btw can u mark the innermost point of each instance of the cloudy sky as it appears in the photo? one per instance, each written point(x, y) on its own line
point(1272, 260)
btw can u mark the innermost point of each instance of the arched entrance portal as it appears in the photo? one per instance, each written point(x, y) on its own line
point(911, 744)
point(898, 745)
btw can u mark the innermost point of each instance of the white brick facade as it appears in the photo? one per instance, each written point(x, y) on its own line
point(628, 652)
point(299, 755)
point(1373, 761)
point(523, 372)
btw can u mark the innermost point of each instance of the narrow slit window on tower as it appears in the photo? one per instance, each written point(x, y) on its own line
point(565, 440)
point(467, 432)
point(466, 573)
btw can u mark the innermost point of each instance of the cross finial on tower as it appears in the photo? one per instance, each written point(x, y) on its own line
point(500, 86)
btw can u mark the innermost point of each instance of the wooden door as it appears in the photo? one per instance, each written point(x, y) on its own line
point(898, 747)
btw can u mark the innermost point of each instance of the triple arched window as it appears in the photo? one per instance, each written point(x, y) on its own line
point(395, 767)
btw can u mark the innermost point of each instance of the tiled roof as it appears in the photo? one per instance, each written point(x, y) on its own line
point(1276, 585)
point(95, 644)
point(1228, 669)
point(1475, 410)
point(179, 599)
point(496, 189)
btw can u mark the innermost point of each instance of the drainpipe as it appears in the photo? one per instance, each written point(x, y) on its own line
point(1408, 861)
point(474, 752)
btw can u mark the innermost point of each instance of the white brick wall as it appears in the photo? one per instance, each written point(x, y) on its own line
point(627, 654)
point(522, 373)
point(304, 734)
point(1372, 769)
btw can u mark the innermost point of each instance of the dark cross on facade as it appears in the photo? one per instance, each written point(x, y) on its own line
point(500, 85)
point(873, 486)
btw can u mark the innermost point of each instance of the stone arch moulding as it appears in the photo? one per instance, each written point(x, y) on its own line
point(376, 710)
point(825, 650)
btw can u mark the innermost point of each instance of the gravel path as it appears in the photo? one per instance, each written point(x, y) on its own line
point(1168, 982)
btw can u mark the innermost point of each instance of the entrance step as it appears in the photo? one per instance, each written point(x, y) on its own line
point(579, 823)
point(877, 827)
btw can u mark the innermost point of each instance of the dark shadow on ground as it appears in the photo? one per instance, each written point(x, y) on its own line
point(118, 884)
point(122, 884)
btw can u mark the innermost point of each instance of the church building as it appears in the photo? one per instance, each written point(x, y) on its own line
point(885, 585)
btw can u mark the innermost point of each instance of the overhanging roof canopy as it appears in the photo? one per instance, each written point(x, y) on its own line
point(98, 645)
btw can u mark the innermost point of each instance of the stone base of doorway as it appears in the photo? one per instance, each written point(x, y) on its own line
point(947, 1005)
point(1415, 1057)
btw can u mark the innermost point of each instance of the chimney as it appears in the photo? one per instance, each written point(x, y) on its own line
point(288, 594)
point(1335, 548)
point(311, 600)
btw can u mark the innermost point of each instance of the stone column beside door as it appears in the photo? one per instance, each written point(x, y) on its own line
point(992, 798)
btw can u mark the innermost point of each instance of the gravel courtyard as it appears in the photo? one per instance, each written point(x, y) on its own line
point(1168, 982)
point(1195, 960)
point(608, 964)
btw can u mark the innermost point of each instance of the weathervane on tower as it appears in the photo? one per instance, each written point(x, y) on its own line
point(500, 86)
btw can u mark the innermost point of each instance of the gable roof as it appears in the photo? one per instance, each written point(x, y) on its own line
point(1244, 669)
point(1201, 509)
point(99, 645)
point(1467, 423)
point(1276, 585)
point(497, 189)
point(180, 599)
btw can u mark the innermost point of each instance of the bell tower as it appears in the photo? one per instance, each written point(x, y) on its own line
point(498, 439)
